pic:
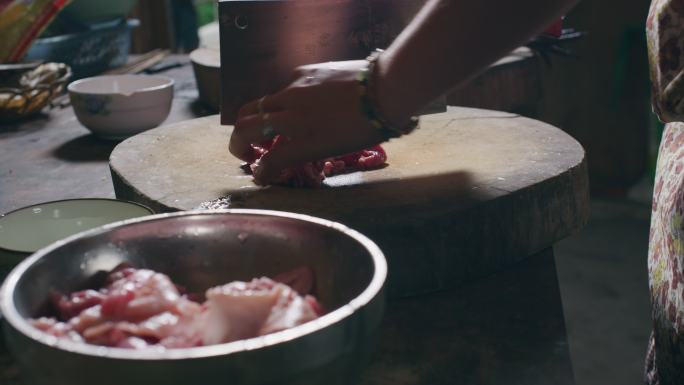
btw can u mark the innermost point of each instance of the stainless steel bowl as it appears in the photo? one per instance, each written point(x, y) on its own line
point(200, 249)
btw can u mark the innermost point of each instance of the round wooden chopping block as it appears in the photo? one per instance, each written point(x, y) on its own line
point(468, 193)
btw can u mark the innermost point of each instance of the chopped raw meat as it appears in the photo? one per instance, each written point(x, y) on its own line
point(312, 174)
point(75, 303)
point(140, 308)
point(372, 158)
point(241, 310)
point(300, 279)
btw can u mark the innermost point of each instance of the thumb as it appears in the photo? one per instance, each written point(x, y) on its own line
point(269, 168)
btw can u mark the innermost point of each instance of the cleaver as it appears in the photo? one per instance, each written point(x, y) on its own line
point(262, 41)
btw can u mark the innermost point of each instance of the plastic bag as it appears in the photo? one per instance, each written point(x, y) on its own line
point(21, 21)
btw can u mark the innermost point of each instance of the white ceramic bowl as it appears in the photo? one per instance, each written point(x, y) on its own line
point(119, 106)
point(28, 229)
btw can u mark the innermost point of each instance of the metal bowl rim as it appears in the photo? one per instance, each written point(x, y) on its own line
point(68, 200)
point(13, 318)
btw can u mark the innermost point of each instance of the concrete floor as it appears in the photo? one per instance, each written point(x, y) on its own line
point(604, 285)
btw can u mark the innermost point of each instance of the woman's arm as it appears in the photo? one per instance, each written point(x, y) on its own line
point(448, 42)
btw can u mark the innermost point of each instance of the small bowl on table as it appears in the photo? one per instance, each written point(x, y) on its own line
point(118, 106)
point(29, 229)
point(199, 250)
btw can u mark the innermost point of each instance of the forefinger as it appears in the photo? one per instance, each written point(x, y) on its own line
point(269, 103)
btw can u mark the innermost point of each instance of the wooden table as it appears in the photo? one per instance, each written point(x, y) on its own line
point(506, 328)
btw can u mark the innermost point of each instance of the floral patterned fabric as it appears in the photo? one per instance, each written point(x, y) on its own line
point(666, 262)
point(665, 36)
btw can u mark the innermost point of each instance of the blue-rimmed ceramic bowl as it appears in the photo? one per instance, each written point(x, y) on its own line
point(119, 106)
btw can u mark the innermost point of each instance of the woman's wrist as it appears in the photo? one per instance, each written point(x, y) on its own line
point(379, 105)
point(389, 95)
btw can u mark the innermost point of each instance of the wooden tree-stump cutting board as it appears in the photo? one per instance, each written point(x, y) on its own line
point(470, 192)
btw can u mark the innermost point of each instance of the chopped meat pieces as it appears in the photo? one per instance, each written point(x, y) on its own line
point(140, 308)
point(312, 174)
point(254, 308)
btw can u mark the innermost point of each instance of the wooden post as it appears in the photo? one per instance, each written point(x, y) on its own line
point(156, 26)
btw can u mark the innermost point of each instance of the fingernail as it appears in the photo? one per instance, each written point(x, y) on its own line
point(258, 172)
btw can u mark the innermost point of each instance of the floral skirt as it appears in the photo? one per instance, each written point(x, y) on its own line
point(665, 359)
